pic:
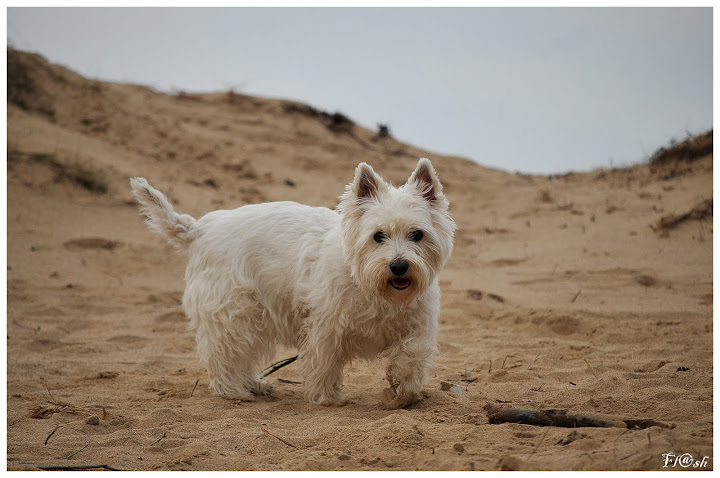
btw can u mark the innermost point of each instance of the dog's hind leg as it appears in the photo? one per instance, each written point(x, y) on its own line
point(323, 380)
point(233, 343)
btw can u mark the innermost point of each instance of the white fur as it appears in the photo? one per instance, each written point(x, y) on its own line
point(315, 279)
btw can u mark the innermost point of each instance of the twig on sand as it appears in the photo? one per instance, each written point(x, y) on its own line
point(590, 368)
point(77, 467)
point(577, 294)
point(52, 399)
point(194, 387)
point(159, 439)
point(52, 433)
point(87, 441)
point(278, 365)
point(275, 436)
point(533, 361)
point(464, 377)
point(563, 418)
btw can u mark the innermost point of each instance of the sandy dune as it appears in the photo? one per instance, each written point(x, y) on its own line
point(577, 292)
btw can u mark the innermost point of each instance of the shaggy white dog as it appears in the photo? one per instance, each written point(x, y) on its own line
point(357, 282)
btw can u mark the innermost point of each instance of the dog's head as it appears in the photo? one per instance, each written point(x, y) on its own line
point(396, 240)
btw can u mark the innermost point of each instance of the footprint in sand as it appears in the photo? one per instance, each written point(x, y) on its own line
point(174, 317)
point(480, 295)
point(91, 243)
point(509, 261)
point(170, 321)
point(129, 340)
point(650, 367)
point(165, 298)
point(561, 325)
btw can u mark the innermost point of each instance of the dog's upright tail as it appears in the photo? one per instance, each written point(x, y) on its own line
point(160, 215)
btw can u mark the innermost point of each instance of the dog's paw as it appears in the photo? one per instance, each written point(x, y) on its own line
point(239, 396)
point(232, 392)
point(262, 387)
point(394, 401)
point(334, 402)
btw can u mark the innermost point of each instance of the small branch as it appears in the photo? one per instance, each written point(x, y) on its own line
point(158, 440)
point(590, 368)
point(562, 418)
point(194, 387)
point(278, 365)
point(533, 361)
point(77, 467)
point(275, 436)
point(464, 377)
point(52, 433)
point(52, 399)
point(87, 439)
point(466, 380)
point(87, 443)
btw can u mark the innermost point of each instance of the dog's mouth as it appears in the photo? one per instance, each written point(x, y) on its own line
point(400, 283)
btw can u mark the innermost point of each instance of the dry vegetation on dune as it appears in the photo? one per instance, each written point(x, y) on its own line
point(586, 296)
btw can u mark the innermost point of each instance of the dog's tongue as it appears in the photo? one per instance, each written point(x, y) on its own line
point(400, 282)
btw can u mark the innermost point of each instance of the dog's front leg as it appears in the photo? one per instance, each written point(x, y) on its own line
point(323, 372)
point(407, 372)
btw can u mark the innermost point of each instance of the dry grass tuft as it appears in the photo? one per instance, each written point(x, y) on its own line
point(691, 149)
point(545, 196)
point(68, 169)
point(700, 212)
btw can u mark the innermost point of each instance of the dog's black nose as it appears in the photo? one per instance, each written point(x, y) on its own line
point(399, 267)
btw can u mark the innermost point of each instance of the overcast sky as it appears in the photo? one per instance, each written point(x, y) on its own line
point(543, 90)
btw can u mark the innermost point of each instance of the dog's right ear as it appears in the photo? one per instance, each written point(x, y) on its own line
point(367, 183)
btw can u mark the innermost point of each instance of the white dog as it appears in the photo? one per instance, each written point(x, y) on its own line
point(358, 282)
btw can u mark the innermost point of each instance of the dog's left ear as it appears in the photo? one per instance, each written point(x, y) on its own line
point(425, 180)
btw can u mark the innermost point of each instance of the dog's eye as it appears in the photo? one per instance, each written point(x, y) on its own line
point(415, 236)
point(379, 237)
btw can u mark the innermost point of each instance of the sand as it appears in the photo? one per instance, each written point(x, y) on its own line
point(566, 292)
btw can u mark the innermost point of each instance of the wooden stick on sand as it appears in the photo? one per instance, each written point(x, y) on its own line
point(562, 418)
